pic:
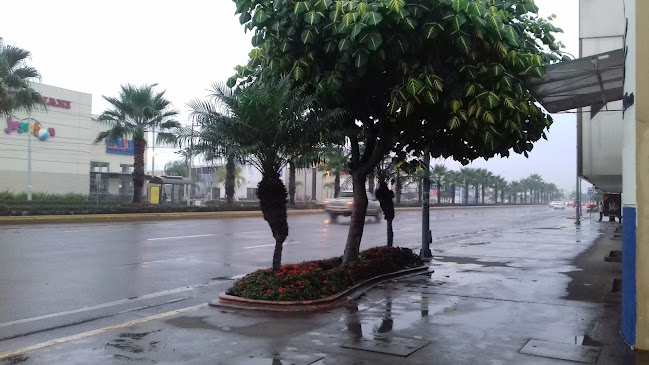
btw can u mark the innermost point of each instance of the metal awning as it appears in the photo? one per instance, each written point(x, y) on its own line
point(587, 81)
point(174, 180)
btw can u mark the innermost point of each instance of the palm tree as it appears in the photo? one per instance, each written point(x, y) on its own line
point(438, 177)
point(177, 168)
point(15, 75)
point(485, 180)
point(221, 176)
point(467, 177)
point(334, 163)
point(499, 183)
point(136, 111)
point(453, 179)
point(265, 124)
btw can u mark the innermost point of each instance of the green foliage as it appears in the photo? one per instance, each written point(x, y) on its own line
point(323, 278)
point(221, 175)
point(177, 168)
point(15, 75)
point(447, 74)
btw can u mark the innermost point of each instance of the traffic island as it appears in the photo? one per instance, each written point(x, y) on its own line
point(321, 284)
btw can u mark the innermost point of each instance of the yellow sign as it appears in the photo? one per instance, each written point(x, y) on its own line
point(154, 197)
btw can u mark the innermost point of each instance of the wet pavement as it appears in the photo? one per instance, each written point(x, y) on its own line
point(534, 292)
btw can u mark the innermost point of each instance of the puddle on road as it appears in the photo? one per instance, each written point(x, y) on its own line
point(470, 260)
point(13, 360)
point(266, 329)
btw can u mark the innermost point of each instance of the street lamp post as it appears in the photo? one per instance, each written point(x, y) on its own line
point(426, 238)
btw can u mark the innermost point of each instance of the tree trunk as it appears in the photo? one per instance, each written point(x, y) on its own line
point(336, 184)
point(398, 188)
point(314, 178)
point(477, 192)
point(439, 193)
point(453, 194)
point(272, 198)
point(502, 196)
point(384, 195)
point(358, 218)
point(138, 169)
point(229, 181)
point(291, 183)
point(419, 191)
point(466, 193)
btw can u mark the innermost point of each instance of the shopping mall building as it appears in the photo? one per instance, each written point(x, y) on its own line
point(57, 141)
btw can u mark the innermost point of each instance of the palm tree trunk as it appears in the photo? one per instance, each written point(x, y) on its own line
point(291, 183)
point(453, 194)
point(384, 195)
point(419, 191)
point(466, 193)
point(357, 224)
point(439, 193)
point(398, 188)
point(229, 181)
point(138, 169)
point(495, 194)
point(370, 182)
point(272, 198)
point(502, 196)
point(477, 192)
point(336, 185)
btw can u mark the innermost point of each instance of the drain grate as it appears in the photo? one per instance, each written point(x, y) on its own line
point(394, 346)
point(562, 351)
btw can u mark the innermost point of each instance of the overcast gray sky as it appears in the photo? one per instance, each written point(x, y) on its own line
point(94, 46)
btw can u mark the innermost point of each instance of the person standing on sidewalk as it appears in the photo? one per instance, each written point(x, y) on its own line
point(600, 207)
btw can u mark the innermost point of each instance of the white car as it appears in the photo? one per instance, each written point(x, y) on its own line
point(345, 202)
point(557, 205)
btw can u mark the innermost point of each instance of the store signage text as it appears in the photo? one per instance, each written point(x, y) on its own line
point(65, 104)
point(23, 127)
point(120, 147)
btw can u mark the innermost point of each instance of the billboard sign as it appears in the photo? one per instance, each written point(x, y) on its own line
point(120, 147)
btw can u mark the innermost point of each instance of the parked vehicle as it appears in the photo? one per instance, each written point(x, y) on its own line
point(343, 206)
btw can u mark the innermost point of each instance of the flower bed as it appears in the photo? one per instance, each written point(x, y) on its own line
point(323, 278)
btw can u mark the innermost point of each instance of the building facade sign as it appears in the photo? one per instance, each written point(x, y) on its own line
point(23, 127)
point(121, 147)
point(58, 103)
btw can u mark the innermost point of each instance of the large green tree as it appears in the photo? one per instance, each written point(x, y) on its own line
point(264, 124)
point(15, 75)
point(136, 111)
point(440, 75)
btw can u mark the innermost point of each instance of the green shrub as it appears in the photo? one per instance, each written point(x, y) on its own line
point(323, 278)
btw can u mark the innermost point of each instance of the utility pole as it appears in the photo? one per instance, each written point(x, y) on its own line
point(426, 236)
point(153, 152)
point(29, 161)
point(189, 162)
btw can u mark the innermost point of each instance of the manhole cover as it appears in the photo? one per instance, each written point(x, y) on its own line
point(394, 346)
point(562, 351)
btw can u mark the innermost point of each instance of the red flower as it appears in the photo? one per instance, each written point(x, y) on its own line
point(281, 290)
point(269, 291)
point(263, 281)
point(299, 283)
point(295, 267)
point(333, 288)
point(292, 286)
point(240, 283)
point(324, 282)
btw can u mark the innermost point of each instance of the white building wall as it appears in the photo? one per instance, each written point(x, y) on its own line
point(61, 163)
point(601, 29)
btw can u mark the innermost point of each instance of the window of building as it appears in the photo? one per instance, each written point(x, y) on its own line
point(98, 178)
point(126, 169)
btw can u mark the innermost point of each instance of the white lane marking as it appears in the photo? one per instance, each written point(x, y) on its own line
point(271, 245)
point(109, 304)
point(176, 237)
point(99, 331)
point(404, 229)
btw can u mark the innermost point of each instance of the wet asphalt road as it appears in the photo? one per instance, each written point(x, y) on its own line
point(53, 277)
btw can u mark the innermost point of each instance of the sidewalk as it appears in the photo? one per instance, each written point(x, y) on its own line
point(539, 296)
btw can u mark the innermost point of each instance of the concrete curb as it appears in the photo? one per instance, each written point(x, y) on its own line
point(229, 301)
point(99, 218)
point(94, 218)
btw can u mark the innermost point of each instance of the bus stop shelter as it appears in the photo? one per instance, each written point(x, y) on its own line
point(158, 188)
